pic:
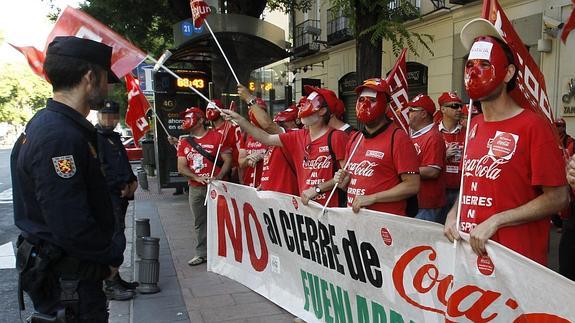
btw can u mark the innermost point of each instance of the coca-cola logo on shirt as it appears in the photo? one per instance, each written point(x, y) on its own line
point(503, 145)
point(486, 166)
point(320, 162)
point(364, 168)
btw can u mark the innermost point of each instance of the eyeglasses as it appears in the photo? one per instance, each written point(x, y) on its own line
point(414, 109)
point(454, 106)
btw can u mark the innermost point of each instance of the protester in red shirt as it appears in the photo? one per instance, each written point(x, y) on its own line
point(230, 131)
point(383, 171)
point(453, 133)
point(196, 156)
point(252, 153)
point(514, 169)
point(566, 140)
point(317, 151)
point(430, 148)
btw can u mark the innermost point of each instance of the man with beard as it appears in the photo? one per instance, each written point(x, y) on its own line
point(514, 168)
point(122, 184)
point(196, 158)
point(383, 172)
point(430, 149)
point(317, 151)
point(61, 202)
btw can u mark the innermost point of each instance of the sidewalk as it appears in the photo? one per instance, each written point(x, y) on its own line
point(189, 294)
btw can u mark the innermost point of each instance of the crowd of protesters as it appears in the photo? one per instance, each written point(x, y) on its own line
point(513, 167)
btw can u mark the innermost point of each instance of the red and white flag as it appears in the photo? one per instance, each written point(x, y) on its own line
point(570, 25)
point(397, 80)
point(74, 22)
point(35, 58)
point(530, 90)
point(200, 11)
point(138, 106)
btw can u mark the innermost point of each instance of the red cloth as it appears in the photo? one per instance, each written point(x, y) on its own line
point(312, 160)
point(277, 173)
point(197, 163)
point(570, 25)
point(374, 168)
point(250, 145)
point(35, 58)
point(397, 80)
point(430, 149)
point(506, 163)
point(452, 165)
point(75, 22)
point(137, 107)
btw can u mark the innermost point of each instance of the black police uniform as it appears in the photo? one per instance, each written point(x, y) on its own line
point(116, 166)
point(62, 206)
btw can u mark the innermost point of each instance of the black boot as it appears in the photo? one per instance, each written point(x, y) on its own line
point(115, 291)
point(125, 284)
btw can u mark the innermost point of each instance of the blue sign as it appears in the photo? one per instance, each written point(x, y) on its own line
point(188, 29)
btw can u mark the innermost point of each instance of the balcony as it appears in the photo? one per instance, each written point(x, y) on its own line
point(305, 35)
point(338, 27)
point(461, 2)
point(395, 9)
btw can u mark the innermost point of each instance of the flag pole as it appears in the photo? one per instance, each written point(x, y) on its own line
point(222, 51)
point(344, 168)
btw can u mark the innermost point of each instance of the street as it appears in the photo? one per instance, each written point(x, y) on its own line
point(8, 235)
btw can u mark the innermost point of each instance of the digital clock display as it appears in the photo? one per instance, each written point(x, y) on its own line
point(186, 82)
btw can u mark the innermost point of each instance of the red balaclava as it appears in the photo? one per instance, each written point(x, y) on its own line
point(366, 110)
point(486, 67)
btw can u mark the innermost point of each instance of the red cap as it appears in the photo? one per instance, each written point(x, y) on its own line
point(334, 104)
point(423, 101)
point(193, 110)
point(448, 97)
point(289, 114)
point(376, 84)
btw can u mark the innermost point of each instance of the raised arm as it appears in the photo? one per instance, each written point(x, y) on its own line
point(258, 134)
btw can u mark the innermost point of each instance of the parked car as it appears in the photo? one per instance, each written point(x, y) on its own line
point(134, 152)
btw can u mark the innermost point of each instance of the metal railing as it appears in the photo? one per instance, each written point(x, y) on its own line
point(338, 26)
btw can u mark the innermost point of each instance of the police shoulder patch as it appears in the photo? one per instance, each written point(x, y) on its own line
point(64, 166)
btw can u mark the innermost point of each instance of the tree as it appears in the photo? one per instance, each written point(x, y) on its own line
point(372, 21)
point(22, 93)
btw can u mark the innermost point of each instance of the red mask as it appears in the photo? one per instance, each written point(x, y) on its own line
point(212, 113)
point(312, 104)
point(191, 118)
point(485, 69)
point(367, 109)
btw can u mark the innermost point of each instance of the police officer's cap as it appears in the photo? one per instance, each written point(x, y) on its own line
point(110, 106)
point(86, 50)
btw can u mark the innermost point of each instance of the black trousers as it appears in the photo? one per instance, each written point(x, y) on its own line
point(567, 248)
point(120, 206)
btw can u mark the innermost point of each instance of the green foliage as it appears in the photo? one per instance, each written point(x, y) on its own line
point(289, 5)
point(22, 93)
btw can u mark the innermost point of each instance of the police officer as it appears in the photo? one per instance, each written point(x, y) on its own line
point(61, 202)
point(122, 184)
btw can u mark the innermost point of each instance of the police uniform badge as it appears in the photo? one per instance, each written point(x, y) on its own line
point(64, 166)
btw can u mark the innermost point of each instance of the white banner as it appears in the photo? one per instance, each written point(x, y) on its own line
point(371, 266)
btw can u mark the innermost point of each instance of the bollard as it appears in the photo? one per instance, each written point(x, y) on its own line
point(142, 230)
point(149, 266)
point(143, 179)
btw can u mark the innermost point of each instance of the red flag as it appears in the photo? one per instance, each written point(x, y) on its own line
point(35, 58)
point(530, 90)
point(74, 22)
point(397, 80)
point(570, 25)
point(200, 11)
point(138, 106)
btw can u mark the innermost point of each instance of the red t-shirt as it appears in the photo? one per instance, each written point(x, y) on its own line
point(375, 167)
point(251, 146)
point(277, 173)
point(312, 160)
point(430, 149)
point(506, 164)
point(232, 139)
point(452, 164)
point(197, 163)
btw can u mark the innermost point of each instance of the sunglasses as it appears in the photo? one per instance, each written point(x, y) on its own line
point(414, 109)
point(454, 106)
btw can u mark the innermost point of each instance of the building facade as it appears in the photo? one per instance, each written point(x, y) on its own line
point(324, 49)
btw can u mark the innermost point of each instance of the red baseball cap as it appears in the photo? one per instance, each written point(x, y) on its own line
point(289, 114)
point(334, 104)
point(423, 101)
point(448, 97)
